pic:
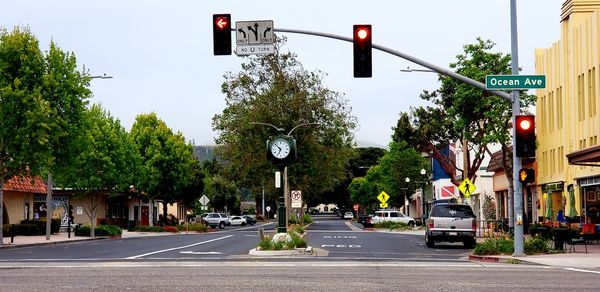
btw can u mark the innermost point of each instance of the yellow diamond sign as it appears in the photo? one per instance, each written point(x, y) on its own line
point(383, 205)
point(466, 187)
point(383, 197)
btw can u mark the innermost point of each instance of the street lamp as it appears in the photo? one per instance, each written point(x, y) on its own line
point(408, 69)
point(407, 180)
point(423, 213)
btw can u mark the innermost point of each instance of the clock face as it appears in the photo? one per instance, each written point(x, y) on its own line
point(280, 148)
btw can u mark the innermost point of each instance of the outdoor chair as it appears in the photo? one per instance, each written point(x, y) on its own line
point(572, 241)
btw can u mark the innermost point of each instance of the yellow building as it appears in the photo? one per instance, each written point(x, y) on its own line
point(568, 122)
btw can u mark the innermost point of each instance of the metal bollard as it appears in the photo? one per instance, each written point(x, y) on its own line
point(12, 233)
point(261, 233)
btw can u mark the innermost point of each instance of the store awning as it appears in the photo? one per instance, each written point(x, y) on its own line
point(587, 157)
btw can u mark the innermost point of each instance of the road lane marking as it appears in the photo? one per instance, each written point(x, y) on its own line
point(584, 271)
point(201, 252)
point(352, 227)
point(176, 248)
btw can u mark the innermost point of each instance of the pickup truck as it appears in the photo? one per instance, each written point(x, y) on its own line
point(451, 223)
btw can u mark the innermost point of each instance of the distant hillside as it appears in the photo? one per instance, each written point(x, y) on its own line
point(204, 152)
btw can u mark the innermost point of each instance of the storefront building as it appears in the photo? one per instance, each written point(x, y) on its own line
point(568, 122)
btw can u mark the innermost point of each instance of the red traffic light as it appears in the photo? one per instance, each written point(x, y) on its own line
point(362, 33)
point(525, 124)
point(222, 22)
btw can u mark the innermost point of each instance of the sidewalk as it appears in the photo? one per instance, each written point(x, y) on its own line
point(577, 259)
point(21, 240)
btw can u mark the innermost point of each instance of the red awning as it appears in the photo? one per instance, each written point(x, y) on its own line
point(26, 185)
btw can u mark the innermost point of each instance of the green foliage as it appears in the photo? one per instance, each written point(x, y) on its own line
point(222, 192)
point(168, 166)
point(41, 225)
point(393, 225)
point(307, 219)
point(400, 162)
point(536, 245)
point(101, 230)
point(299, 229)
point(149, 229)
point(193, 227)
point(276, 89)
point(41, 97)
point(296, 242)
point(293, 219)
point(505, 245)
point(495, 246)
point(489, 208)
point(462, 111)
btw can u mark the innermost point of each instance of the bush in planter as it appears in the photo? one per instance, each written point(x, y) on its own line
point(495, 246)
point(102, 230)
point(149, 229)
point(193, 227)
point(41, 224)
point(536, 245)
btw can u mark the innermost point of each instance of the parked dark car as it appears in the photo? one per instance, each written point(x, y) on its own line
point(249, 219)
point(363, 219)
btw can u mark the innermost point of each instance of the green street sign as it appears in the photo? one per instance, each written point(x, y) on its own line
point(507, 82)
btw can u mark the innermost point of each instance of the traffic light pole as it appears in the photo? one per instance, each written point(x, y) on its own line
point(418, 61)
point(516, 108)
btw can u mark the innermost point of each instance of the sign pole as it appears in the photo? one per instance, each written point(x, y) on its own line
point(517, 191)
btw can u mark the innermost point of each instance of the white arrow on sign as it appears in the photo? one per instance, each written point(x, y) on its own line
point(254, 32)
point(204, 200)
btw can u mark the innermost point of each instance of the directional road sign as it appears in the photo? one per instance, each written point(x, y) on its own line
point(254, 32)
point(507, 82)
point(466, 187)
point(204, 200)
point(383, 197)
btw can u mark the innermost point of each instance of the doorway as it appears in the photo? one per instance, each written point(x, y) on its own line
point(145, 216)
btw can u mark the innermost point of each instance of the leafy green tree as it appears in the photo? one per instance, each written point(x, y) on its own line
point(276, 89)
point(42, 96)
point(462, 112)
point(106, 161)
point(489, 208)
point(223, 193)
point(364, 190)
point(167, 161)
point(400, 162)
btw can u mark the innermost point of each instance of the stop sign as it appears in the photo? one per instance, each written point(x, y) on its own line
point(356, 207)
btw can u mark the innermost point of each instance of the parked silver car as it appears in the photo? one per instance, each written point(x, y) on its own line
point(451, 223)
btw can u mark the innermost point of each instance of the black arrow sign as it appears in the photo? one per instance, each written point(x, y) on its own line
point(265, 33)
point(255, 30)
point(242, 31)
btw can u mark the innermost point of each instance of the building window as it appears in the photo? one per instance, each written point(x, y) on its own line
point(580, 98)
point(559, 107)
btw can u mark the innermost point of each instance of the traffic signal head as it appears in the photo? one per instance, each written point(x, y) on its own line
point(222, 34)
point(525, 135)
point(361, 38)
point(526, 175)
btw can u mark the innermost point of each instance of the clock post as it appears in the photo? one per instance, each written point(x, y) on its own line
point(281, 151)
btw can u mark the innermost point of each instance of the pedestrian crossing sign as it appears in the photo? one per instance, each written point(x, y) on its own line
point(466, 187)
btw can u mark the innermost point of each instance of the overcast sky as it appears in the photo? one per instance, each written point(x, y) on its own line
point(160, 52)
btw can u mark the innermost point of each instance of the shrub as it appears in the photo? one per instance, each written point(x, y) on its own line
point(536, 245)
point(266, 243)
point(101, 230)
point(41, 225)
point(495, 246)
point(171, 229)
point(293, 219)
point(299, 229)
point(393, 225)
point(297, 241)
point(193, 227)
point(307, 219)
point(149, 229)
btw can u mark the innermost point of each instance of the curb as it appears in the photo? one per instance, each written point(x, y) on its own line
point(7, 246)
point(308, 251)
point(495, 259)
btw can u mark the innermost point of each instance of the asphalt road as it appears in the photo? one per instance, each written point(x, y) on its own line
point(342, 241)
point(352, 242)
point(290, 276)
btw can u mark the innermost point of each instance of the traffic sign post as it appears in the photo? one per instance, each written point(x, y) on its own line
point(509, 82)
point(296, 199)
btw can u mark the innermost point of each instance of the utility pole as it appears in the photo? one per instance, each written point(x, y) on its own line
point(516, 106)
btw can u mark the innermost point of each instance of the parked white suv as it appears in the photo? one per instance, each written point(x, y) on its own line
point(380, 216)
point(216, 219)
